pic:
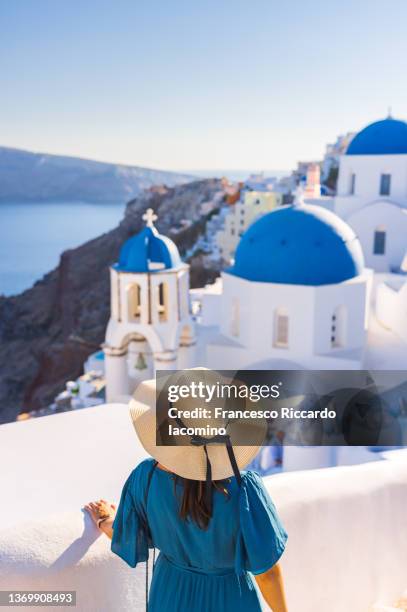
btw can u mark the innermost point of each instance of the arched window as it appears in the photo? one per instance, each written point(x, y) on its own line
point(338, 327)
point(281, 328)
point(162, 301)
point(134, 302)
point(235, 318)
point(379, 241)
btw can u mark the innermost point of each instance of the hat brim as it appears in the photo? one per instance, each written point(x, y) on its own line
point(187, 461)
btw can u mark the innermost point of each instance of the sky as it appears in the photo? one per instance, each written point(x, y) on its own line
point(207, 84)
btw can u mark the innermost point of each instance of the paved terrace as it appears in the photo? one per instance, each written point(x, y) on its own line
point(347, 527)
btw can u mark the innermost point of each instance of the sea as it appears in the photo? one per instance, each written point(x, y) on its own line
point(33, 236)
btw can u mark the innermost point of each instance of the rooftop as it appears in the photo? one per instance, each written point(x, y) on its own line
point(148, 251)
point(272, 249)
point(385, 137)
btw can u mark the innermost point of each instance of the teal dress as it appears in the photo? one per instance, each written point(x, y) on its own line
point(199, 570)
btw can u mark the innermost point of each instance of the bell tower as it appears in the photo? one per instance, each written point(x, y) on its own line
point(150, 324)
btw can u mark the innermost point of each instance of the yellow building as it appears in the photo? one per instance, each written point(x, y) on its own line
point(251, 205)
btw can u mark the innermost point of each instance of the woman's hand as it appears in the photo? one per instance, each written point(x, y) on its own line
point(102, 513)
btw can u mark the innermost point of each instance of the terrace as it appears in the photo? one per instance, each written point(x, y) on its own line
point(347, 548)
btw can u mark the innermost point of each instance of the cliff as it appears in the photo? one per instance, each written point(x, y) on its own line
point(48, 331)
point(34, 177)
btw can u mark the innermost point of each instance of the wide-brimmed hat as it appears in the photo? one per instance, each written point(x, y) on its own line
point(192, 456)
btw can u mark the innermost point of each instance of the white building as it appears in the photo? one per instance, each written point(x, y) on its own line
point(391, 304)
point(298, 292)
point(372, 199)
point(259, 182)
point(333, 152)
point(372, 192)
point(150, 324)
point(313, 182)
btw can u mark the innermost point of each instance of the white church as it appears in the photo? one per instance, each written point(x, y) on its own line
point(372, 192)
point(372, 199)
point(307, 288)
point(150, 326)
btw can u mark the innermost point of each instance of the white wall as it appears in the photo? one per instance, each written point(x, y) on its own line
point(309, 309)
point(368, 169)
point(258, 302)
point(366, 209)
point(381, 215)
point(347, 544)
point(352, 296)
point(210, 298)
point(391, 305)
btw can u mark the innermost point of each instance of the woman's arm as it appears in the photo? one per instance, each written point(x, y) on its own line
point(107, 527)
point(104, 512)
point(272, 588)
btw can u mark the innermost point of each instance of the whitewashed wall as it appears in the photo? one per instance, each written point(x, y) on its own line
point(310, 312)
point(347, 544)
point(368, 169)
point(391, 305)
point(390, 217)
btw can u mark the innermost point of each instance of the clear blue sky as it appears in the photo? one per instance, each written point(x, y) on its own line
point(197, 84)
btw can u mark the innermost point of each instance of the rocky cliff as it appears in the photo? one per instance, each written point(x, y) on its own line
point(48, 331)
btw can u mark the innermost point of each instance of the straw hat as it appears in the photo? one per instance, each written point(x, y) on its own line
point(183, 457)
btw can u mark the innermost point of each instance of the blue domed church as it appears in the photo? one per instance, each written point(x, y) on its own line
point(296, 295)
point(372, 192)
point(150, 324)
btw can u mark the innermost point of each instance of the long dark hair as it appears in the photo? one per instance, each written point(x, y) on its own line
point(192, 503)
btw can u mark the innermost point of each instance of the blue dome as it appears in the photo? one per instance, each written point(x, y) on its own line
point(386, 137)
point(148, 251)
point(298, 245)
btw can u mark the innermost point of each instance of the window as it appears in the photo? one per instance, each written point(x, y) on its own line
point(352, 184)
point(162, 301)
point(338, 327)
point(379, 241)
point(281, 325)
point(134, 302)
point(235, 322)
point(385, 180)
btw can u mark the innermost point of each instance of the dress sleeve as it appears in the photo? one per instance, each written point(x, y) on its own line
point(130, 538)
point(262, 536)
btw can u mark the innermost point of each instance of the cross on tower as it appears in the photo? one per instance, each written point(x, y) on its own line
point(149, 217)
